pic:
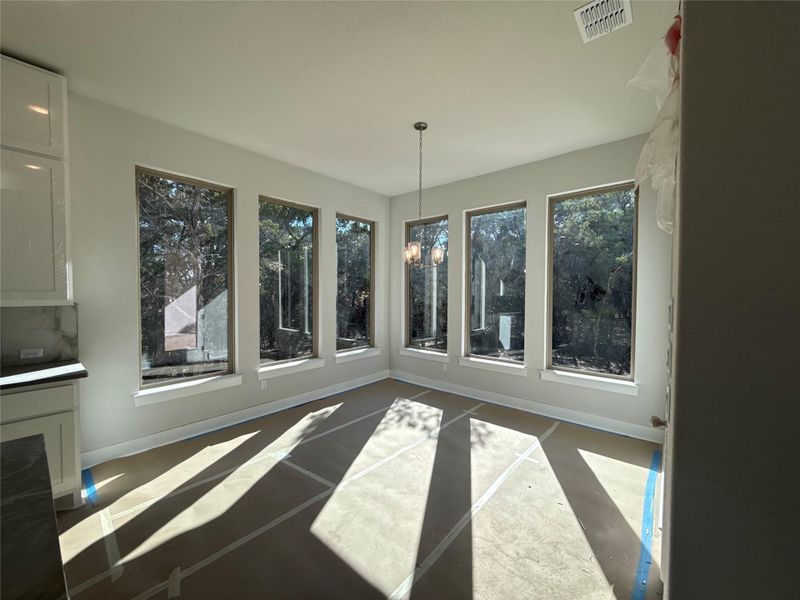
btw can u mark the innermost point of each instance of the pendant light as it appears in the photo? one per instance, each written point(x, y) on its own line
point(412, 253)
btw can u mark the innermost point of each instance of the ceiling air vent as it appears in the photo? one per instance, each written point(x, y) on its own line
point(601, 17)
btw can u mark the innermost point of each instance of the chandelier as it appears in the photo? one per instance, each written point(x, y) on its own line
point(412, 253)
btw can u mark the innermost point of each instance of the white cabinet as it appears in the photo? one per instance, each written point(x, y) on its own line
point(58, 431)
point(32, 103)
point(53, 412)
point(32, 229)
point(34, 203)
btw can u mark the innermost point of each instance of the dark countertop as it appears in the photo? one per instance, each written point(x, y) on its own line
point(31, 565)
point(12, 377)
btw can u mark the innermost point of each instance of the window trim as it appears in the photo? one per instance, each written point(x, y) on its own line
point(373, 226)
point(229, 191)
point(407, 270)
point(552, 200)
point(467, 332)
point(315, 329)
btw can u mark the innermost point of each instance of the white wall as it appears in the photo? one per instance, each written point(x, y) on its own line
point(733, 531)
point(533, 182)
point(105, 145)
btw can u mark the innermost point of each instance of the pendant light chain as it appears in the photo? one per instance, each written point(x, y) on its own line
point(420, 178)
point(412, 253)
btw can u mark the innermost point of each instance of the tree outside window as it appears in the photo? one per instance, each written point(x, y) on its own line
point(287, 280)
point(427, 288)
point(354, 290)
point(496, 280)
point(593, 261)
point(184, 277)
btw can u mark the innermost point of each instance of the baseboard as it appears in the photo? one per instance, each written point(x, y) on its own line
point(546, 410)
point(161, 438)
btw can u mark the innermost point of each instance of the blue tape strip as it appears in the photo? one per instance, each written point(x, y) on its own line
point(645, 558)
point(88, 485)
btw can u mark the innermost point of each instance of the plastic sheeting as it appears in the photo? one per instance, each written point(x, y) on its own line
point(659, 158)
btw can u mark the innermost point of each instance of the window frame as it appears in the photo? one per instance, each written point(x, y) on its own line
point(315, 329)
point(230, 205)
point(407, 271)
point(372, 271)
point(552, 200)
point(467, 331)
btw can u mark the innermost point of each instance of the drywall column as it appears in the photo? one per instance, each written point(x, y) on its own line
point(736, 408)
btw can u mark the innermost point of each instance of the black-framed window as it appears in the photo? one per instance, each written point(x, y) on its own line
point(496, 282)
point(287, 280)
point(355, 282)
point(185, 277)
point(593, 281)
point(426, 288)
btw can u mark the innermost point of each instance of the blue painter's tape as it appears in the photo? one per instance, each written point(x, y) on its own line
point(88, 485)
point(645, 556)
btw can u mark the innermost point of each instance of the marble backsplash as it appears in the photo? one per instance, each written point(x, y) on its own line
point(53, 329)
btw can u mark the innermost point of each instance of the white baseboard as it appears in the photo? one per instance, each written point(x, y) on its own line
point(546, 410)
point(161, 438)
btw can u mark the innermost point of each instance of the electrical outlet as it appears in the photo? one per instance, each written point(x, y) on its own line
point(31, 353)
point(444, 366)
point(264, 385)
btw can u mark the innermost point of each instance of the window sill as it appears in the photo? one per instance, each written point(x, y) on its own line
point(185, 388)
point(424, 354)
point(493, 365)
point(288, 368)
point(606, 384)
point(357, 354)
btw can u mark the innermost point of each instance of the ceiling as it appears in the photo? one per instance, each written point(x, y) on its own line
point(336, 87)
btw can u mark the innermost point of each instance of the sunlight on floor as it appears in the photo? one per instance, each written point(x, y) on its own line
point(101, 484)
point(89, 531)
point(623, 482)
point(372, 523)
point(232, 488)
point(532, 515)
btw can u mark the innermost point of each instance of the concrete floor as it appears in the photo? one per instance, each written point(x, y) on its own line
point(387, 491)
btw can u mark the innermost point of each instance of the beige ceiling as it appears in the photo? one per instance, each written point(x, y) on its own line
point(335, 87)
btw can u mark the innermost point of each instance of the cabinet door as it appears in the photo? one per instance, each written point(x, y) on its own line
point(33, 230)
point(31, 108)
point(59, 441)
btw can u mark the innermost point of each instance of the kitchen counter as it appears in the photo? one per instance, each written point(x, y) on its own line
point(13, 377)
point(31, 565)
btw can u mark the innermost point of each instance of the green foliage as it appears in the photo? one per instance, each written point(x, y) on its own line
point(498, 283)
point(593, 282)
point(427, 301)
point(183, 244)
point(354, 272)
point(286, 280)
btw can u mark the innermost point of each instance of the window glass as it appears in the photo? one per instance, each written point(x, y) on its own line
point(287, 236)
point(354, 248)
point(184, 277)
point(427, 288)
point(593, 262)
point(497, 283)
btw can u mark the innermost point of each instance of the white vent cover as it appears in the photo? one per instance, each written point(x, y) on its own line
point(601, 17)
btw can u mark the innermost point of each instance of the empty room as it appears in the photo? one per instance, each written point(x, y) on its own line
point(402, 300)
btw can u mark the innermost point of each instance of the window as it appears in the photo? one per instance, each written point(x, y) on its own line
point(287, 244)
point(185, 276)
point(593, 275)
point(426, 298)
point(496, 279)
point(355, 288)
